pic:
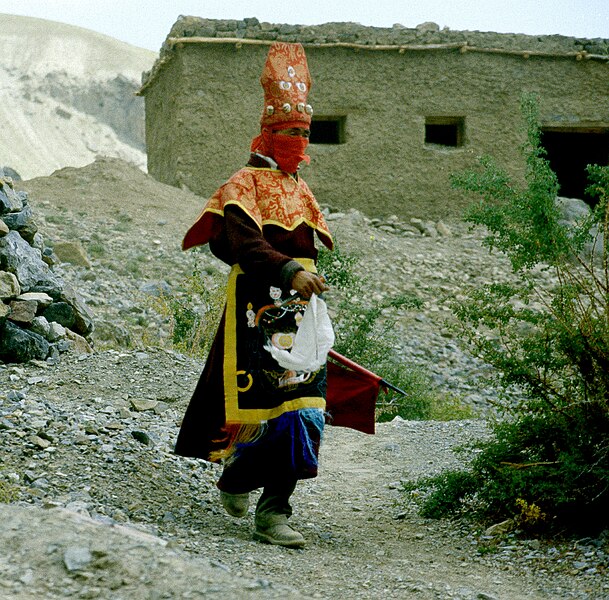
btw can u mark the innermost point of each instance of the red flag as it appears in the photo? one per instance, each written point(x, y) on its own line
point(351, 395)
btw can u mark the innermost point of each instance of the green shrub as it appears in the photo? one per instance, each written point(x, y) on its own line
point(366, 333)
point(194, 312)
point(548, 462)
point(8, 492)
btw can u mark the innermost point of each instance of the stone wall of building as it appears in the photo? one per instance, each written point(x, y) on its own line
point(204, 100)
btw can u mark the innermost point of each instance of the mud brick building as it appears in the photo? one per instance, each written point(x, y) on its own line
point(397, 110)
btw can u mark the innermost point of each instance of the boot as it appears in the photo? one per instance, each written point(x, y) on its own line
point(274, 529)
point(235, 505)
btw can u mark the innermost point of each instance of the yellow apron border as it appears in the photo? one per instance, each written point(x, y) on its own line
point(231, 393)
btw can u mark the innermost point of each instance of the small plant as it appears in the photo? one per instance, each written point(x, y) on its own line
point(8, 492)
point(194, 312)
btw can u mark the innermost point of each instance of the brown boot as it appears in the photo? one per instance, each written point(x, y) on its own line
point(235, 505)
point(274, 529)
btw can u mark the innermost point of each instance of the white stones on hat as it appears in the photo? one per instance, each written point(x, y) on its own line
point(270, 110)
point(300, 107)
point(291, 71)
point(301, 86)
point(309, 109)
point(287, 107)
point(285, 85)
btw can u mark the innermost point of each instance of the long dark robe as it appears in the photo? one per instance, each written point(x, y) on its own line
point(263, 255)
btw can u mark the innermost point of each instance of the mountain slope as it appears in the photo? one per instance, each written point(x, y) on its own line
point(66, 95)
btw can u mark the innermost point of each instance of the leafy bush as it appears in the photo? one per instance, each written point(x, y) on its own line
point(366, 333)
point(549, 460)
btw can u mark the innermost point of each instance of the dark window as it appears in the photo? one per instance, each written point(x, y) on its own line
point(445, 131)
point(328, 130)
point(569, 151)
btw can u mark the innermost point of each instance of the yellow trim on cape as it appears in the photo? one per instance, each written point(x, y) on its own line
point(234, 414)
point(268, 197)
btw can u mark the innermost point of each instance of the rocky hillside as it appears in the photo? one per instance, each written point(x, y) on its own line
point(66, 96)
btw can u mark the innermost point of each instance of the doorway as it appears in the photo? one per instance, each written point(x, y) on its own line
point(569, 151)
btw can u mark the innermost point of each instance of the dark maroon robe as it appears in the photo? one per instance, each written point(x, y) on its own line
point(264, 255)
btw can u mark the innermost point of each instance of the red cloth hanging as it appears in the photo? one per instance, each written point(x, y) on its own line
point(351, 394)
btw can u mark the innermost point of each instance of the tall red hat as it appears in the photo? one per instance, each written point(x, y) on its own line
point(286, 82)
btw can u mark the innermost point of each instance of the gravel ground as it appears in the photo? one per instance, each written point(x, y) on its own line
point(90, 439)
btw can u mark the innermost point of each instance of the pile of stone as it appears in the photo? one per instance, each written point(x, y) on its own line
point(40, 315)
point(348, 32)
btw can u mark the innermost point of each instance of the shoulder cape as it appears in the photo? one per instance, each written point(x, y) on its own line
point(269, 197)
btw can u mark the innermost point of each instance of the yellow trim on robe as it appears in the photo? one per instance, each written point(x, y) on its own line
point(231, 392)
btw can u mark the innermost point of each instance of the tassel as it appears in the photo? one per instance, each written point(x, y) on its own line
point(237, 435)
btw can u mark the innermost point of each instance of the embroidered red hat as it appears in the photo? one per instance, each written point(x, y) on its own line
point(286, 82)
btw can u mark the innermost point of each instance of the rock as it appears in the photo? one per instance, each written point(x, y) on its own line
point(9, 285)
point(428, 26)
point(41, 326)
point(56, 332)
point(49, 257)
point(142, 405)
point(5, 310)
point(10, 173)
point(83, 319)
point(429, 229)
point(443, 229)
point(106, 331)
point(418, 224)
point(10, 201)
point(500, 528)
point(142, 437)
point(23, 311)
point(39, 442)
point(21, 345)
point(62, 313)
point(572, 210)
point(76, 558)
point(42, 300)
point(78, 344)
point(25, 262)
point(73, 253)
point(3, 228)
point(23, 222)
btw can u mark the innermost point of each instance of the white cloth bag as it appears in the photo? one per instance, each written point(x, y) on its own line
point(312, 341)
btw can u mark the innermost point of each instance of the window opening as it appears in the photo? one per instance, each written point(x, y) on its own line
point(328, 130)
point(569, 151)
point(445, 131)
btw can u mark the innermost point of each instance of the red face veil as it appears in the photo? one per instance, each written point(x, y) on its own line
point(286, 82)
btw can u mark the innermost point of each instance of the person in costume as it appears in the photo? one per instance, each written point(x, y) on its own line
point(262, 420)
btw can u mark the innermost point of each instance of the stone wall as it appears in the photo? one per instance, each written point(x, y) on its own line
point(203, 104)
point(40, 316)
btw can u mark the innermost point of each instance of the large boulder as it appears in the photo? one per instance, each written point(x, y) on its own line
point(10, 200)
point(19, 258)
point(21, 345)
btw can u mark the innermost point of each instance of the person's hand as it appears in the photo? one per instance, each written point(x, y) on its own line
point(306, 283)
